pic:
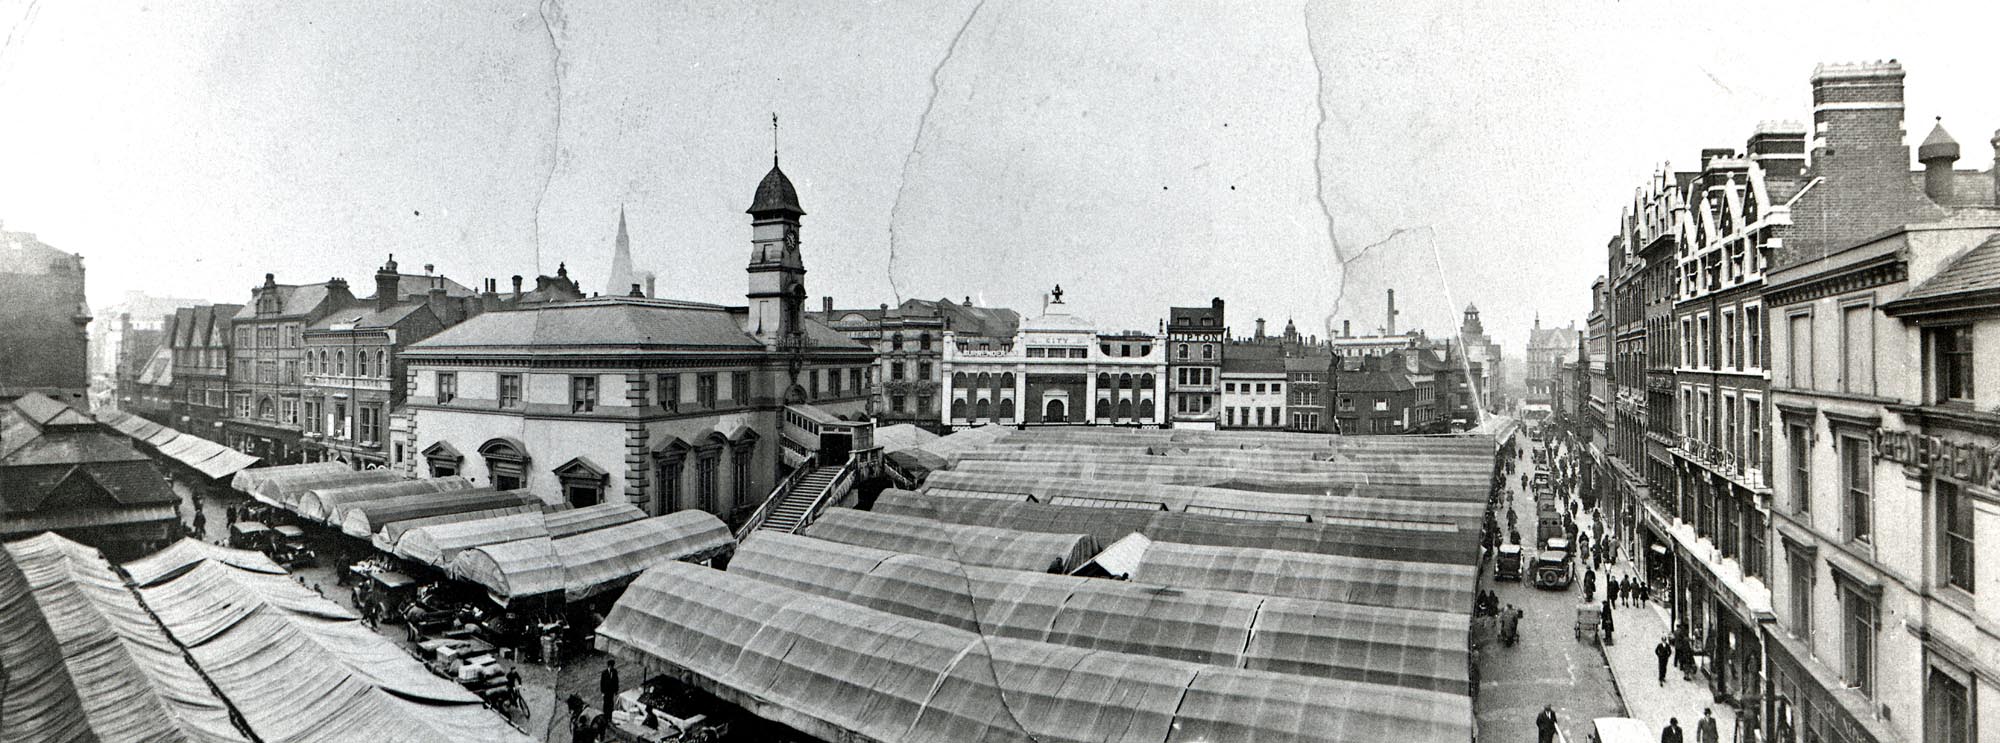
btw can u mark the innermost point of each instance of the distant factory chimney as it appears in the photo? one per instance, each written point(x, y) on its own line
point(1391, 327)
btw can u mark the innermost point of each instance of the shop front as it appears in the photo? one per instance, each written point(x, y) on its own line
point(1808, 704)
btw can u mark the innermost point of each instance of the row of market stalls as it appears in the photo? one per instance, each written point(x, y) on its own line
point(214, 461)
point(514, 544)
point(1100, 585)
point(204, 643)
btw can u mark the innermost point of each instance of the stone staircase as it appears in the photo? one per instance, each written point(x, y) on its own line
point(796, 504)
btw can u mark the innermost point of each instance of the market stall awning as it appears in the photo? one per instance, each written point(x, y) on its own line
point(366, 518)
point(585, 564)
point(973, 545)
point(328, 504)
point(299, 667)
point(247, 481)
point(85, 662)
point(389, 538)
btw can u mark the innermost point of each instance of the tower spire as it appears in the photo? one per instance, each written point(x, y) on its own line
point(774, 139)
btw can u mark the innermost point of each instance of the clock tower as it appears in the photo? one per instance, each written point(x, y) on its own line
point(777, 274)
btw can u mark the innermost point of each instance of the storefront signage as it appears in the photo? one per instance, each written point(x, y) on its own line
point(1974, 463)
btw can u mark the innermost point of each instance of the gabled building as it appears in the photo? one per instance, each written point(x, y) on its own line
point(354, 371)
point(199, 339)
point(1548, 350)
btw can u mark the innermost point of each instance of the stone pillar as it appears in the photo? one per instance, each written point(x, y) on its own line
point(1021, 401)
point(1089, 414)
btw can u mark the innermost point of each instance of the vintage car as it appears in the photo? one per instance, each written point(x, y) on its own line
point(1554, 570)
point(1507, 566)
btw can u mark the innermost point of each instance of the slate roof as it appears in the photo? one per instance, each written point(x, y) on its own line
point(1976, 270)
point(368, 317)
point(1374, 381)
point(775, 194)
point(613, 323)
point(44, 443)
point(420, 285)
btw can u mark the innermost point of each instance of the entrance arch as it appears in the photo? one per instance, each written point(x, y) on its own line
point(1054, 413)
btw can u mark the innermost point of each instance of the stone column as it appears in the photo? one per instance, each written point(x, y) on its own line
point(1089, 393)
point(1021, 402)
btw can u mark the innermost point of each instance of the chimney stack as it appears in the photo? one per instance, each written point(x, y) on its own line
point(826, 305)
point(1260, 328)
point(1858, 120)
point(1938, 153)
point(652, 284)
point(1779, 148)
point(388, 285)
point(517, 287)
point(1391, 327)
point(1346, 329)
point(440, 305)
point(637, 291)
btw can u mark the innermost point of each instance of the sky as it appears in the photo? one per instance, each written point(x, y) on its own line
point(1295, 159)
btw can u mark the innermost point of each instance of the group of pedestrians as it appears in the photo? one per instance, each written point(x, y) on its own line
point(1706, 730)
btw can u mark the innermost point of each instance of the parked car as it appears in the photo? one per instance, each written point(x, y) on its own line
point(1554, 570)
point(1508, 565)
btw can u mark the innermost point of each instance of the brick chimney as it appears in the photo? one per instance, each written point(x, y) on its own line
point(388, 285)
point(441, 305)
point(1938, 153)
point(337, 293)
point(1779, 148)
point(517, 287)
point(1390, 329)
point(1260, 328)
point(826, 303)
point(1858, 119)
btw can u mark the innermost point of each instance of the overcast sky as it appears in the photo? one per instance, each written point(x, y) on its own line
point(1139, 154)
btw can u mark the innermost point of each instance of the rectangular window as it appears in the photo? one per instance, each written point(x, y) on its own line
point(833, 382)
point(288, 411)
point(1857, 485)
point(510, 390)
point(582, 394)
point(1753, 337)
point(1798, 442)
point(923, 370)
point(1704, 342)
point(898, 403)
point(370, 422)
point(1948, 710)
point(704, 482)
point(1731, 337)
point(447, 387)
point(313, 423)
point(1950, 363)
point(291, 372)
point(1954, 541)
point(739, 475)
point(669, 394)
point(924, 403)
point(1687, 341)
point(341, 427)
point(1857, 620)
point(1857, 349)
point(1801, 568)
point(1753, 559)
point(739, 386)
point(896, 370)
point(1798, 351)
point(1753, 433)
point(1229, 387)
point(812, 384)
point(854, 379)
point(705, 389)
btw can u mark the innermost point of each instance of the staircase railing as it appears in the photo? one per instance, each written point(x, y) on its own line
point(842, 482)
point(777, 494)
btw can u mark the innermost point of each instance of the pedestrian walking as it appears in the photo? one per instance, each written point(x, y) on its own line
point(1684, 657)
point(607, 682)
point(1604, 618)
point(1663, 651)
point(1611, 589)
point(1589, 585)
point(1704, 731)
point(1545, 725)
point(200, 525)
point(1672, 734)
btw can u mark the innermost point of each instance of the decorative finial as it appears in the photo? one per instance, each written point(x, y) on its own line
point(774, 139)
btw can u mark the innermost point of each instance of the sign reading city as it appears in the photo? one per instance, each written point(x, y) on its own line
point(1973, 463)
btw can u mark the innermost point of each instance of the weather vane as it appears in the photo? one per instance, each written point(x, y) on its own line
point(774, 139)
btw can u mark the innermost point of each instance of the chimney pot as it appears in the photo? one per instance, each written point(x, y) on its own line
point(827, 304)
point(636, 291)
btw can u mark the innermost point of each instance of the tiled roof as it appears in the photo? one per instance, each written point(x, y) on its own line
point(1234, 363)
point(1976, 270)
point(409, 285)
point(613, 323)
point(1374, 381)
point(776, 194)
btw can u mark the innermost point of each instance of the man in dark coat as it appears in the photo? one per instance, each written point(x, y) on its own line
point(1612, 589)
point(1663, 651)
point(1673, 732)
point(1684, 657)
point(607, 682)
point(1604, 619)
point(1545, 725)
point(1704, 729)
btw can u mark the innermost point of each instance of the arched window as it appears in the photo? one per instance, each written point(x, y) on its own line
point(924, 341)
point(1007, 408)
point(1103, 407)
point(1207, 351)
point(1007, 380)
point(1125, 409)
point(1124, 381)
point(958, 409)
point(506, 463)
point(360, 363)
point(980, 410)
point(266, 409)
point(382, 363)
point(340, 363)
point(1054, 412)
point(1103, 381)
point(1145, 381)
point(896, 342)
point(959, 380)
point(1145, 407)
point(1182, 351)
point(985, 380)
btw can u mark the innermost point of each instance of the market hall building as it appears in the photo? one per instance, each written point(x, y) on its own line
point(666, 404)
point(1058, 370)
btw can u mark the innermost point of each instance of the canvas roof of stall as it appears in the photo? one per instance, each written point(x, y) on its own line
point(287, 490)
point(1333, 504)
point(973, 545)
point(248, 480)
point(1108, 525)
point(1398, 470)
point(297, 666)
point(1402, 647)
point(329, 503)
point(582, 565)
point(391, 534)
point(834, 669)
point(438, 544)
point(590, 518)
point(1240, 479)
point(84, 660)
point(364, 519)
